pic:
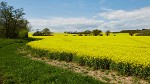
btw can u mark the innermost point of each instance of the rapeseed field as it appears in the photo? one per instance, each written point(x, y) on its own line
point(126, 54)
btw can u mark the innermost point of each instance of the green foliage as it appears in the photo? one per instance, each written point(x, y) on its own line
point(80, 34)
point(131, 33)
point(44, 32)
point(144, 33)
point(23, 34)
point(2, 31)
point(96, 32)
point(12, 21)
point(87, 32)
point(17, 69)
point(107, 32)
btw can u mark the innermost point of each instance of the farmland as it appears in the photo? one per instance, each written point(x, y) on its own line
point(123, 53)
point(75, 42)
point(16, 69)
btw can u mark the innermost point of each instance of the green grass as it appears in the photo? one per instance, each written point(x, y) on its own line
point(106, 79)
point(16, 69)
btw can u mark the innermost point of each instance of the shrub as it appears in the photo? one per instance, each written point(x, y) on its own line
point(23, 34)
point(101, 34)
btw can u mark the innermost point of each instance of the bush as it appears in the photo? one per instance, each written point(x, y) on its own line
point(80, 34)
point(101, 34)
point(23, 34)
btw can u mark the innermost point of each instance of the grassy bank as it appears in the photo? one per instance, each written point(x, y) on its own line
point(16, 69)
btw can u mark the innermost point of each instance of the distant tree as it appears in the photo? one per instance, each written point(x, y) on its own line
point(71, 32)
point(144, 33)
point(96, 32)
point(80, 33)
point(131, 33)
point(38, 33)
point(12, 20)
point(65, 32)
point(46, 32)
point(107, 32)
point(87, 32)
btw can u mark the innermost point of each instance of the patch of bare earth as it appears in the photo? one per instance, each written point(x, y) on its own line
point(102, 75)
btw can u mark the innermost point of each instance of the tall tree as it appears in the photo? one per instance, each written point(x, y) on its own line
point(12, 20)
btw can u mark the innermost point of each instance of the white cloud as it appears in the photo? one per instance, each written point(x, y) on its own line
point(143, 13)
point(122, 19)
point(65, 24)
point(106, 9)
point(114, 20)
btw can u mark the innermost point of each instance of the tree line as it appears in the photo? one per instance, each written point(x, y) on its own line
point(138, 32)
point(95, 32)
point(12, 22)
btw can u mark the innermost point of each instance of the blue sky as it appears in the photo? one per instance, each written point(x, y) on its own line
point(79, 15)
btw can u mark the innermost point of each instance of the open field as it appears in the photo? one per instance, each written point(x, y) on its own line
point(16, 69)
point(75, 42)
point(125, 54)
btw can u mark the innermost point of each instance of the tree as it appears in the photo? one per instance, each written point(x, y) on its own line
point(12, 20)
point(2, 31)
point(80, 33)
point(46, 32)
point(144, 33)
point(38, 33)
point(131, 33)
point(96, 32)
point(107, 32)
point(87, 32)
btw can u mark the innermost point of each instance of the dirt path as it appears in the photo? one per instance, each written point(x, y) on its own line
point(102, 75)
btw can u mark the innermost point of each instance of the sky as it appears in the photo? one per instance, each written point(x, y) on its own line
point(80, 15)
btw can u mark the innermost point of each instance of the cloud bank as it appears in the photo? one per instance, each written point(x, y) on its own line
point(114, 20)
point(66, 24)
point(121, 19)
